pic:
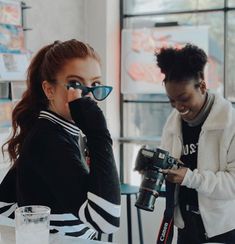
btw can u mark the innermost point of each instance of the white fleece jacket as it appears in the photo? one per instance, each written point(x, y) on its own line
point(214, 178)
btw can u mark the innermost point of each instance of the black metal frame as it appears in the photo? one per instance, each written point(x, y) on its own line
point(121, 146)
point(225, 9)
point(24, 7)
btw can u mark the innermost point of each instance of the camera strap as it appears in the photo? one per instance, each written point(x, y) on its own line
point(166, 231)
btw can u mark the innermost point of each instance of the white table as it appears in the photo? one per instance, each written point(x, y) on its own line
point(7, 231)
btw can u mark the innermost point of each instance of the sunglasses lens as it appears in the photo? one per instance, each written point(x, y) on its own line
point(101, 92)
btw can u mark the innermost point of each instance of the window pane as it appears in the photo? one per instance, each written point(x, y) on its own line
point(143, 6)
point(215, 21)
point(130, 152)
point(145, 119)
point(230, 81)
point(231, 3)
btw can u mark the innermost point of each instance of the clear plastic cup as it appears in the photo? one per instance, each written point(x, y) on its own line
point(32, 224)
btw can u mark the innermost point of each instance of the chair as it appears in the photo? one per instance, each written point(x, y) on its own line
point(129, 190)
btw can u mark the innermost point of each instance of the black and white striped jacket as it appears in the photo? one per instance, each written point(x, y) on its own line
point(51, 171)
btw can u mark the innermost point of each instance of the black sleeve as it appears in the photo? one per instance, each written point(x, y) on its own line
point(8, 194)
point(104, 187)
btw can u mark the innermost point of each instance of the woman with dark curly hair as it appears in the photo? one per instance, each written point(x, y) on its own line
point(63, 84)
point(200, 131)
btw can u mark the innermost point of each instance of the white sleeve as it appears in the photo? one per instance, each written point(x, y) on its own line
point(216, 185)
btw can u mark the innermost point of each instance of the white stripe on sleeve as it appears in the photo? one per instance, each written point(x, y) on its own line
point(111, 208)
point(4, 204)
point(105, 226)
point(62, 217)
point(88, 235)
point(81, 213)
point(10, 210)
point(69, 229)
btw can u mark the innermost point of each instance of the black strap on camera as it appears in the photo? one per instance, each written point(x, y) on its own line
point(166, 231)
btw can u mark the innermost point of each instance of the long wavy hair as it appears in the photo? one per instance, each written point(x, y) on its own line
point(44, 66)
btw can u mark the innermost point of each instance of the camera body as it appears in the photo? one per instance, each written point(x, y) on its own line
point(150, 163)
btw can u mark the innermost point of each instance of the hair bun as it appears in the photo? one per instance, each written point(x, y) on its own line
point(166, 59)
point(193, 58)
point(181, 64)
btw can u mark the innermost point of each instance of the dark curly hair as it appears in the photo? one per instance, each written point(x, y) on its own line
point(182, 64)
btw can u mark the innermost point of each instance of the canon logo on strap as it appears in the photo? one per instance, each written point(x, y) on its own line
point(163, 235)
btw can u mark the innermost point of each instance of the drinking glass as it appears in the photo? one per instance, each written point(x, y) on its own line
point(32, 224)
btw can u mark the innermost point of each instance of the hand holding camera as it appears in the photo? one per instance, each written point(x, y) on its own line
point(175, 175)
point(154, 164)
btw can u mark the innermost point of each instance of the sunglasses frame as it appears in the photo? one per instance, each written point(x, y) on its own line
point(86, 90)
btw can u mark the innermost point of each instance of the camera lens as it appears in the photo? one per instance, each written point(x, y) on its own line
point(149, 190)
point(146, 200)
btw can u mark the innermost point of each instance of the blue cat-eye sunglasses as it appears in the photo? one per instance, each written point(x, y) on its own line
point(99, 92)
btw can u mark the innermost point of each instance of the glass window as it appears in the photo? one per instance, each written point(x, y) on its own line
point(230, 71)
point(145, 119)
point(231, 3)
point(144, 115)
point(215, 23)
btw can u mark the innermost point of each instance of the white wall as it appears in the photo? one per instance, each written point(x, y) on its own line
point(103, 33)
point(53, 20)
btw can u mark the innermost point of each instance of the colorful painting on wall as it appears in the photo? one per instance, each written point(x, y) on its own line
point(10, 12)
point(11, 39)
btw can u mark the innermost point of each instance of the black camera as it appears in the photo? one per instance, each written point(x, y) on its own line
point(150, 163)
